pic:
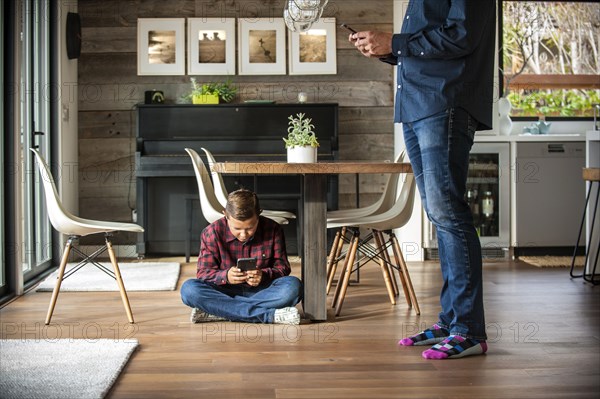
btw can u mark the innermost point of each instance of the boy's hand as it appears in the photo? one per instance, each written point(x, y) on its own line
point(236, 276)
point(254, 277)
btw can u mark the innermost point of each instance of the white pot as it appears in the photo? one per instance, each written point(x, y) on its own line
point(504, 123)
point(306, 154)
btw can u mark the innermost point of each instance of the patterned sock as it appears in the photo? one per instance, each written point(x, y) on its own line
point(200, 316)
point(289, 315)
point(454, 347)
point(432, 335)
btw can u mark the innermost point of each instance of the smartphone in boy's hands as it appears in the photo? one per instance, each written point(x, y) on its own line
point(246, 264)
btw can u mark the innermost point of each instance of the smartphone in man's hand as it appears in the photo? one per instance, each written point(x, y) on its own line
point(347, 28)
point(246, 264)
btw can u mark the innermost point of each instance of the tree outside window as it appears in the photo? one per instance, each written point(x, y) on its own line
point(550, 57)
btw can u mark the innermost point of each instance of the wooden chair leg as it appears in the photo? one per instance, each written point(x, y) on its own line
point(338, 287)
point(331, 261)
point(338, 251)
point(343, 284)
point(342, 241)
point(124, 298)
point(404, 268)
point(59, 279)
point(384, 267)
point(393, 275)
point(392, 272)
point(388, 263)
point(402, 277)
point(345, 264)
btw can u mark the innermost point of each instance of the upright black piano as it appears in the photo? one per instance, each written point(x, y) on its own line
point(167, 192)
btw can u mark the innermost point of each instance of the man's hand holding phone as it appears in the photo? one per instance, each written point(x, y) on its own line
point(373, 44)
point(351, 38)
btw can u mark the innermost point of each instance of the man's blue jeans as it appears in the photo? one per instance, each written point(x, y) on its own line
point(241, 302)
point(438, 147)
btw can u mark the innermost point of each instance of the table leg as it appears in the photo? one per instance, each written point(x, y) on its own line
point(142, 217)
point(189, 209)
point(314, 248)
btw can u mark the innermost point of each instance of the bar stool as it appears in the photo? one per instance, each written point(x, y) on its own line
point(591, 175)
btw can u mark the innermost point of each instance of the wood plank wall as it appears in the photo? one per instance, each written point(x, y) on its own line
point(109, 88)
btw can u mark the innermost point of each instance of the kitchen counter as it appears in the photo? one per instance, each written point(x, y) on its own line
point(559, 131)
point(482, 138)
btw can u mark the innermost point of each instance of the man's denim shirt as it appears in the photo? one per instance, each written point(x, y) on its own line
point(445, 58)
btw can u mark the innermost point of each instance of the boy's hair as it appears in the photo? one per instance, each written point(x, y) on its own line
point(242, 205)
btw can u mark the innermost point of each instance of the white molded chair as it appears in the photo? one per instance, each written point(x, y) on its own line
point(74, 227)
point(212, 209)
point(384, 202)
point(221, 191)
point(395, 217)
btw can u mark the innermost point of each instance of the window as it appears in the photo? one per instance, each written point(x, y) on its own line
point(550, 61)
point(28, 34)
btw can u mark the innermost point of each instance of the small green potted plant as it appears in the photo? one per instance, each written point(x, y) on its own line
point(301, 141)
point(212, 93)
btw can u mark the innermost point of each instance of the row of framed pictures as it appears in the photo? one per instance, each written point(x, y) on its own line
point(211, 45)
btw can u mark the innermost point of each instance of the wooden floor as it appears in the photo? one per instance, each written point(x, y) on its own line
point(543, 332)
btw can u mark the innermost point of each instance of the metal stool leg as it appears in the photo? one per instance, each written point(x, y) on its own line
point(590, 278)
point(587, 200)
point(587, 277)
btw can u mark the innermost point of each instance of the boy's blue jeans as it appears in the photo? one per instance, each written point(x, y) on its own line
point(241, 302)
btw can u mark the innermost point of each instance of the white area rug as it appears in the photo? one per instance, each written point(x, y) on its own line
point(62, 368)
point(136, 277)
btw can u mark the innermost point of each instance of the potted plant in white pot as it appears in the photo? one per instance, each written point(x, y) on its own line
point(301, 142)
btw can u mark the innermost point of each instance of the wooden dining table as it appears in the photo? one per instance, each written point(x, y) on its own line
point(313, 214)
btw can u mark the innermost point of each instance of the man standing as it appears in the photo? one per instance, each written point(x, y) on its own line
point(222, 291)
point(445, 60)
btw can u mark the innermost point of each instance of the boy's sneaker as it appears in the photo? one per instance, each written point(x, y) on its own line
point(200, 316)
point(287, 316)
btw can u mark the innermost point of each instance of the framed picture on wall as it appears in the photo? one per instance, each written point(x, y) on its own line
point(314, 52)
point(161, 46)
point(211, 46)
point(262, 46)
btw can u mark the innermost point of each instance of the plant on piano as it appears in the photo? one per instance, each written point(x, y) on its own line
point(300, 132)
point(223, 91)
point(301, 141)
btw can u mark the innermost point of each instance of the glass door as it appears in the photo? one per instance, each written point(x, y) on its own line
point(3, 180)
point(487, 193)
point(35, 96)
point(488, 196)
